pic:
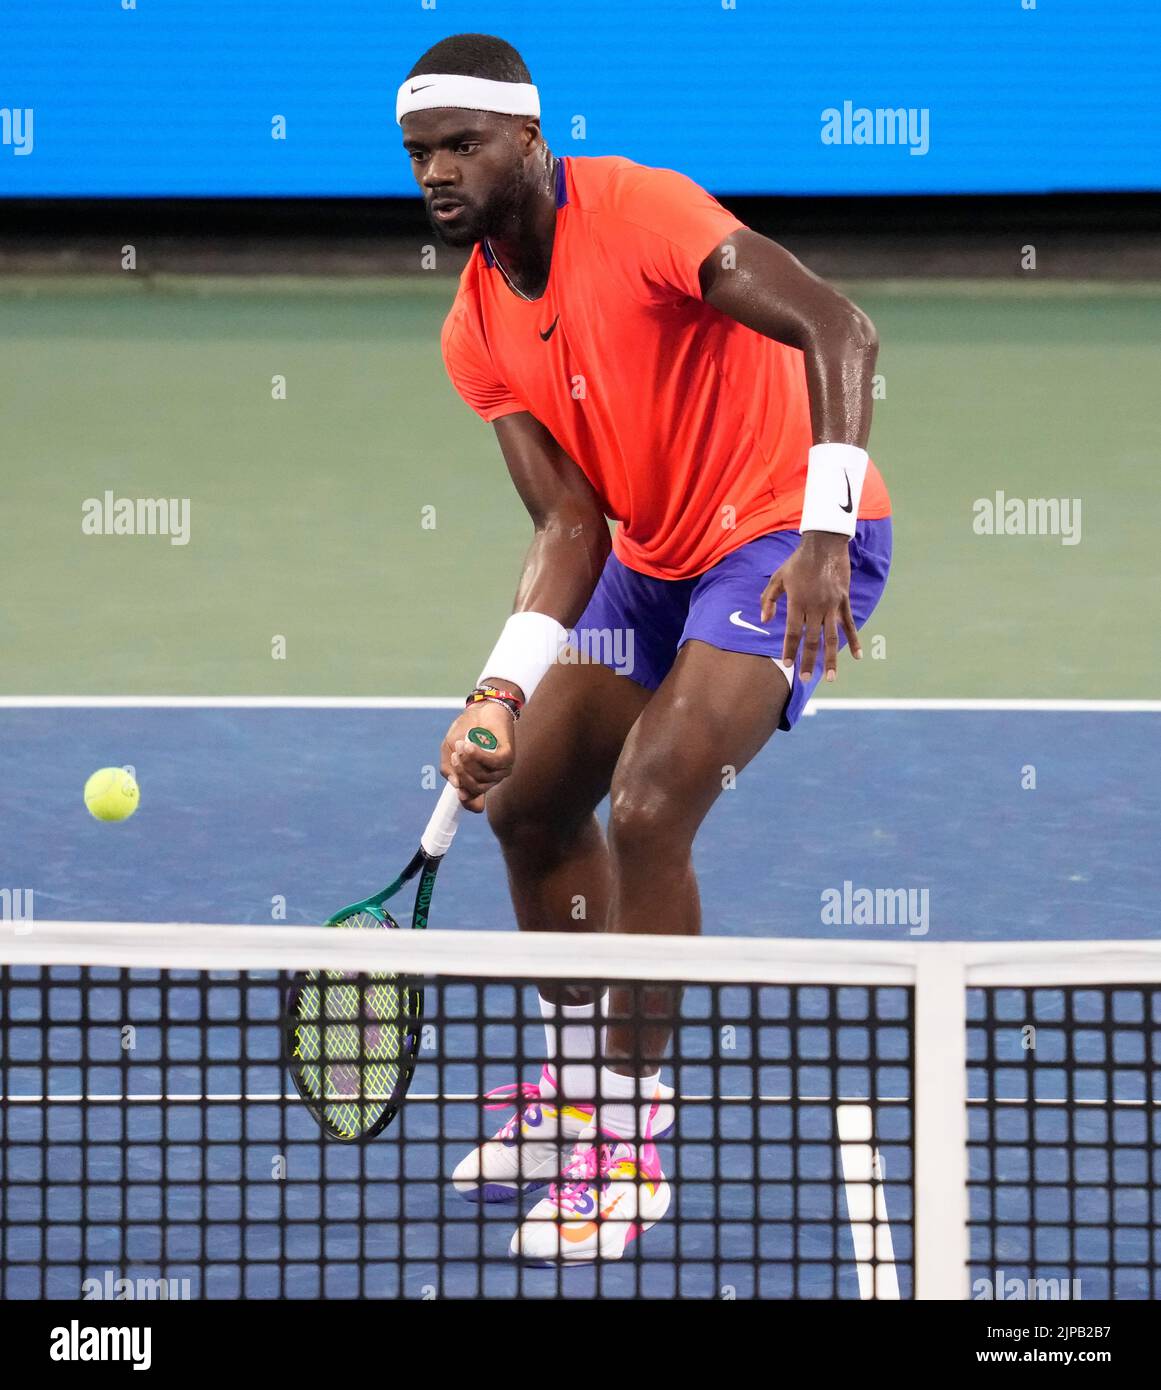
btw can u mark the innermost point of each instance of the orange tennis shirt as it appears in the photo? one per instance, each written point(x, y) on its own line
point(693, 429)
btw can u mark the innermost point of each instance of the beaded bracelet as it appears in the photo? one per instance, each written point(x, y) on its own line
point(491, 694)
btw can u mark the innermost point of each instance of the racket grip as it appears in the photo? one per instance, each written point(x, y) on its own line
point(441, 828)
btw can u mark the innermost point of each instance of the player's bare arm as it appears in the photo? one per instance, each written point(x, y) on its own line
point(569, 548)
point(760, 284)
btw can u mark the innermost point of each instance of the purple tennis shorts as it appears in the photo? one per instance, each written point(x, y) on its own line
point(637, 624)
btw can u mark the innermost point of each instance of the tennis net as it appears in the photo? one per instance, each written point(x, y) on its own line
point(850, 1120)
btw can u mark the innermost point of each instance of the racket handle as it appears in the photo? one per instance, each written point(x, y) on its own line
point(441, 828)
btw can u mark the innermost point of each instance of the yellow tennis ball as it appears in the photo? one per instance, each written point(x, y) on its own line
point(111, 793)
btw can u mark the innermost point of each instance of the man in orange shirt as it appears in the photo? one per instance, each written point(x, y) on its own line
point(644, 357)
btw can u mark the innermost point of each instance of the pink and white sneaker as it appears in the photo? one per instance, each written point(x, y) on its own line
point(527, 1152)
point(612, 1190)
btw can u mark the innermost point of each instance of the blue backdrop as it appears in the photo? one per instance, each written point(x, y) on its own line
point(177, 97)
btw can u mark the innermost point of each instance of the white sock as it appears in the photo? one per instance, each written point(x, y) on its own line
point(570, 1034)
point(621, 1111)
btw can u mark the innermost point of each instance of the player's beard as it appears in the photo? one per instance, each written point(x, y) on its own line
point(498, 216)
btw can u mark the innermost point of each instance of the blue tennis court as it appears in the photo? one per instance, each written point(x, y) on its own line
point(246, 813)
point(233, 829)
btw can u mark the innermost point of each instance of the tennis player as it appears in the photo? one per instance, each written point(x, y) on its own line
point(647, 359)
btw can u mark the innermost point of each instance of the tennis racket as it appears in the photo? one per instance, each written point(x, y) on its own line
point(352, 1039)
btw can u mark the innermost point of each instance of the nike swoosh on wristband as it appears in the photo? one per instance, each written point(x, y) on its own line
point(850, 501)
point(739, 621)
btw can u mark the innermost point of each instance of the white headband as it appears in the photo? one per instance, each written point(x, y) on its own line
point(430, 90)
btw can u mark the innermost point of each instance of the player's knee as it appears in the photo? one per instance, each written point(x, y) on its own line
point(522, 828)
point(507, 817)
point(644, 820)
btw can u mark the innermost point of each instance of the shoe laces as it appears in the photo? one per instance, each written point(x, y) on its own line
point(590, 1163)
point(524, 1095)
point(595, 1162)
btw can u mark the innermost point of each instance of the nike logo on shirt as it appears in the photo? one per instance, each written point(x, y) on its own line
point(550, 330)
point(739, 621)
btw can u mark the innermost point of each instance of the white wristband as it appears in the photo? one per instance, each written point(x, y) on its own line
point(528, 646)
point(834, 484)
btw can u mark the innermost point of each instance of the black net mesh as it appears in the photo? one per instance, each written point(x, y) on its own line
point(1065, 1142)
point(150, 1134)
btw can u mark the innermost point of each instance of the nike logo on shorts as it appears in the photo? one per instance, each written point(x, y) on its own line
point(739, 621)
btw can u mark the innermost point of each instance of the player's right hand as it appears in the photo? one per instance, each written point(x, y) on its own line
point(473, 770)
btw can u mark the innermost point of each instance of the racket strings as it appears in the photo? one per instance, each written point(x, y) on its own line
point(353, 1040)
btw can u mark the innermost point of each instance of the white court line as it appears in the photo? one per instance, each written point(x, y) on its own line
point(837, 705)
point(473, 1097)
point(194, 1097)
point(231, 702)
point(867, 1204)
point(985, 705)
point(862, 1173)
point(863, 1176)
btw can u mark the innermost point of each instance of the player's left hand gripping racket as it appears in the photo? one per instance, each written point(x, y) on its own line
point(352, 1039)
